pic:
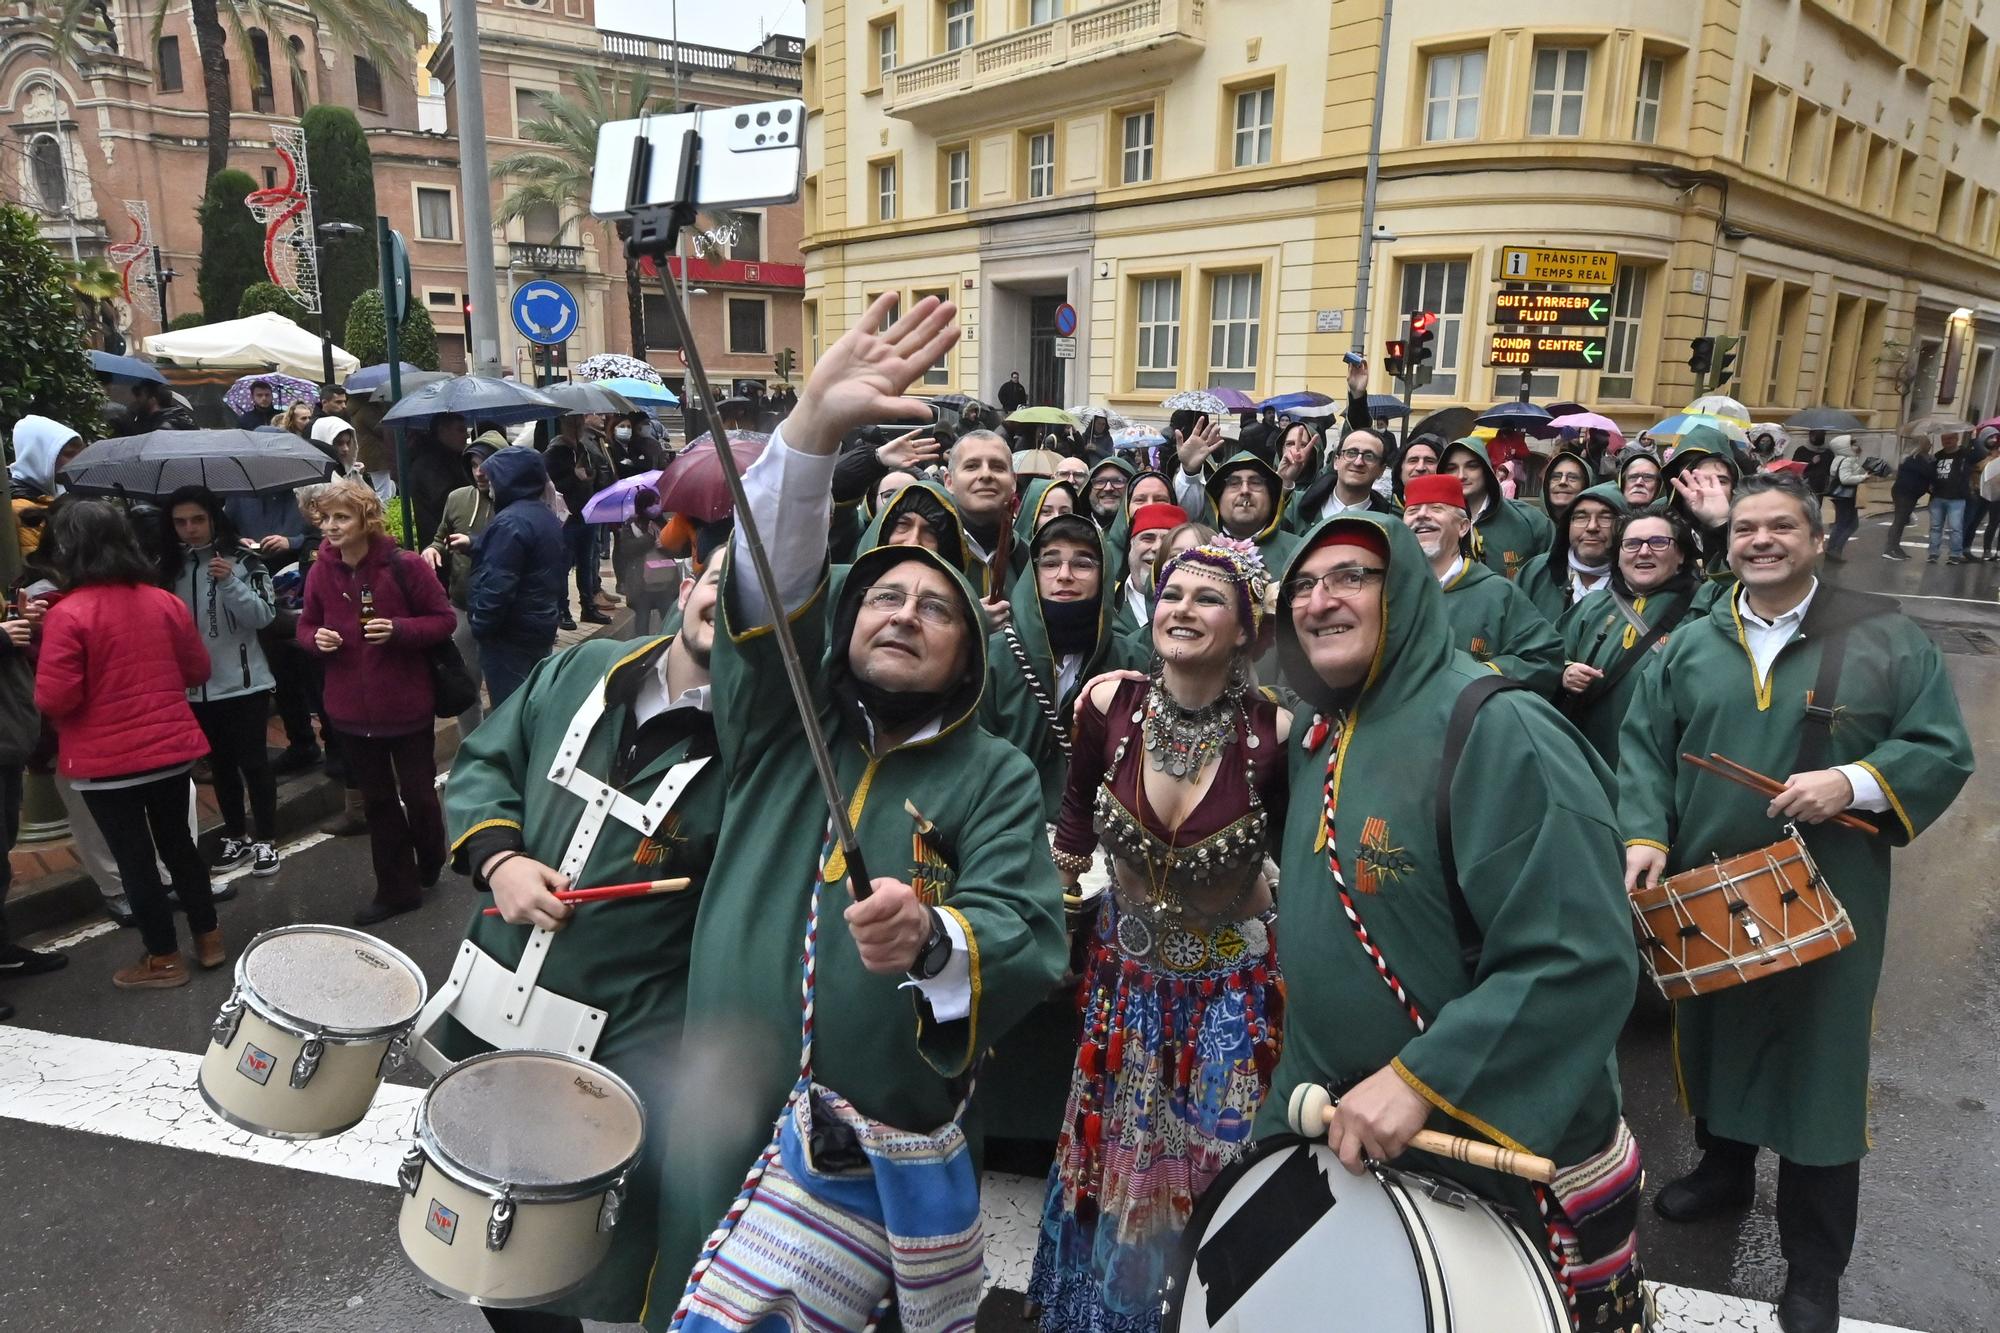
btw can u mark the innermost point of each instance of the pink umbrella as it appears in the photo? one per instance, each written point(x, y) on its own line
point(1991, 423)
point(693, 484)
point(1583, 421)
point(618, 501)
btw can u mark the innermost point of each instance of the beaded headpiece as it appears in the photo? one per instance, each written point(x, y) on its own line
point(1235, 562)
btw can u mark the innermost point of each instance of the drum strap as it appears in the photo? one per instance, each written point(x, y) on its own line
point(1456, 733)
point(1816, 730)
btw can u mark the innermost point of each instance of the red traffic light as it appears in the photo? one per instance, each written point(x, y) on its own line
point(1394, 348)
point(1423, 321)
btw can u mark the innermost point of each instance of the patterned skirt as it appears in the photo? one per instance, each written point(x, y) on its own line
point(1173, 1061)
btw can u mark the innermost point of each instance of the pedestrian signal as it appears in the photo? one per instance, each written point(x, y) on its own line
point(1392, 359)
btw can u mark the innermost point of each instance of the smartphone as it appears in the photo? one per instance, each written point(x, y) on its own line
point(751, 155)
point(1355, 359)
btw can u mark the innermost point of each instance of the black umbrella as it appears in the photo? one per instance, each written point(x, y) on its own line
point(412, 382)
point(1449, 424)
point(474, 397)
point(1823, 418)
point(1384, 406)
point(1564, 410)
point(228, 462)
point(1524, 417)
point(124, 369)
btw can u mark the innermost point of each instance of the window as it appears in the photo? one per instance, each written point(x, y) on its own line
point(1235, 307)
point(1972, 73)
point(167, 64)
point(749, 243)
point(1951, 208)
point(1158, 359)
point(1621, 351)
point(885, 191)
point(528, 106)
point(1787, 346)
point(301, 95)
point(957, 24)
point(1044, 11)
point(1841, 350)
point(1561, 74)
point(542, 225)
point(1451, 96)
point(1802, 165)
point(1759, 112)
point(885, 48)
point(45, 159)
point(434, 214)
point(938, 373)
point(1041, 164)
point(747, 315)
point(661, 335)
point(1439, 286)
point(809, 315)
point(1138, 162)
point(270, 178)
point(1256, 111)
point(367, 84)
point(894, 312)
point(1652, 85)
point(1927, 38)
point(443, 300)
point(957, 179)
point(261, 98)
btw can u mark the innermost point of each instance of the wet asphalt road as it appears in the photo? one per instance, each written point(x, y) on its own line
point(111, 1234)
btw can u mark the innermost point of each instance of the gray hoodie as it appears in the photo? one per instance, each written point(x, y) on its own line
point(228, 615)
point(37, 443)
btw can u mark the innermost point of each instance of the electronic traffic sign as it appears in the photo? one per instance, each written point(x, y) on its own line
point(1567, 309)
point(1543, 351)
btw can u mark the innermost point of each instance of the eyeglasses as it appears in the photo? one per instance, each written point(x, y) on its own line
point(1340, 581)
point(1359, 455)
point(1112, 483)
point(1634, 545)
point(888, 600)
point(1077, 564)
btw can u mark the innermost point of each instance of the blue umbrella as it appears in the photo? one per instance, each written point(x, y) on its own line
point(639, 391)
point(474, 397)
point(1285, 402)
point(1524, 417)
point(374, 377)
point(124, 369)
point(1383, 406)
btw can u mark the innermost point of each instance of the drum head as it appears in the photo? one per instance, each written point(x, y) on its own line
point(1288, 1239)
point(334, 979)
point(533, 1120)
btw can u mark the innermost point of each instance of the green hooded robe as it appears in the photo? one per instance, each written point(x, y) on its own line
point(1028, 517)
point(986, 862)
point(953, 545)
point(628, 959)
point(1598, 635)
point(1507, 533)
point(1546, 578)
point(1558, 456)
point(1700, 443)
point(1275, 544)
point(1520, 1050)
point(1493, 620)
point(1783, 1061)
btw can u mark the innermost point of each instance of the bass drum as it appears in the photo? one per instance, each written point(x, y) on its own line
point(1286, 1238)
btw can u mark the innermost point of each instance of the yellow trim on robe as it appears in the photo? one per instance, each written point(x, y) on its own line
point(1762, 688)
point(1888, 791)
point(500, 823)
point(836, 861)
point(756, 630)
point(971, 1014)
point(1430, 1095)
point(1648, 842)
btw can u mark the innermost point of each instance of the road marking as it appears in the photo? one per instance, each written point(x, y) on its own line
point(147, 1095)
point(1932, 597)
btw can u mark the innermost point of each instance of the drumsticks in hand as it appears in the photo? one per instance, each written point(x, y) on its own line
point(613, 892)
point(1729, 770)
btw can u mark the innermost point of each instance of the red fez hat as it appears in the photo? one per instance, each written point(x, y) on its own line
point(1364, 535)
point(1439, 488)
point(1158, 514)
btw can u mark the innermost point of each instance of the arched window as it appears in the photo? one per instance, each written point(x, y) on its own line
point(300, 94)
point(51, 176)
point(367, 85)
point(261, 98)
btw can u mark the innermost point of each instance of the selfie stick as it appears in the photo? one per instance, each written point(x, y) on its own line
point(656, 233)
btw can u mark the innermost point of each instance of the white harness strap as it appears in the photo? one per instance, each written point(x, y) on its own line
point(505, 1007)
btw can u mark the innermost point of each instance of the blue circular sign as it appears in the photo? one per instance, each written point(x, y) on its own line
point(545, 312)
point(1065, 320)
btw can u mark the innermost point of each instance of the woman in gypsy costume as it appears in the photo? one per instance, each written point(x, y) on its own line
point(1181, 777)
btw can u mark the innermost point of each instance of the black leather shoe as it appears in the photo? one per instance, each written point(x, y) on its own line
point(377, 912)
point(1809, 1305)
point(594, 618)
point(1709, 1190)
point(6, 1011)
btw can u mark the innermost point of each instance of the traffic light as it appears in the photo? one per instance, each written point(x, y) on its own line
point(787, 361)
point(1421, 355)
point(1392, 358)
point(1725, 361)
point(465, 308)
point(1701, 358)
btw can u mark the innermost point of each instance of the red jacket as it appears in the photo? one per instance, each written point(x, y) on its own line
point(117, 661)
point(377, 689)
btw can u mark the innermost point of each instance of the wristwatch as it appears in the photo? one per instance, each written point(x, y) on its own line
point(931, 959)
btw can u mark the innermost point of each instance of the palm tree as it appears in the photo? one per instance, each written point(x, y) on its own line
point(386, 32)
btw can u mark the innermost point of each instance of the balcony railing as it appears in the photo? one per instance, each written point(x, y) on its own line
point(545, 258)
point(1107, 40)
point(694, 58)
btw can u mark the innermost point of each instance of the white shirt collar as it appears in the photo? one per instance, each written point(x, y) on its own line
point(1457, 568)
point(1786, 619)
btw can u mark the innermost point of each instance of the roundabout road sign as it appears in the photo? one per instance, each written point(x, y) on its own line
point(545, 312)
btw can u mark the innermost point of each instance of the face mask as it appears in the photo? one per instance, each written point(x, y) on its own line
point(623, 432)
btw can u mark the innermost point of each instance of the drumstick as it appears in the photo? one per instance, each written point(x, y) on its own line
point(612, 892)
point(1731, 771)
point(1313, 1105)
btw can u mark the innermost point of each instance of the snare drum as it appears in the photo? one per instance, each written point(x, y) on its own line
point(319, 1016)
point(516, 1174)
point(1287, 1239)
point(1738, 919)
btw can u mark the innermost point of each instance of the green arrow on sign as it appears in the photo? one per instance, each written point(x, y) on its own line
point(1591, 351)
point(1597, 308)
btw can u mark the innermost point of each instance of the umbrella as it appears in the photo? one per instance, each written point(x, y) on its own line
point(1582, 421)
point(475, 397)
point(642, 392)
point(1196, 400)
point(1720, 405)
point(285, 390)
point(1938, 423)
point(1297, 398)
point(1137, 437)
point(1565, 409)
point(1234, 400)
point(1385, 406)
point(228, 462)
point(124, 369)
point(1085, 413)
point(1042, 416)
point(412, 382)
point(584, 399)
point(1682, 422)
point(616, 365)
point(374, 377)
point(693, 484)
point(618, 501)
point(1823, 418)
point(1780, 438)
point(1036, 462)
point(1523, 417)
point(1450, 423)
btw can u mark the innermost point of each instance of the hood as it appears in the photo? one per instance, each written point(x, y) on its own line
point(1845, 444)
point(1026, 601)
point(1699, 443)
point(1236, 462)
point(1477, 448)
point(962, 699)
point(1632, 454)
point(328, 429)
point(1574, 456)
point(1028, 517)
point(1125, 465)
point(956, 551)
point(37, 441)
point(1607, 492)
point(1416, 634)
point(515, 473)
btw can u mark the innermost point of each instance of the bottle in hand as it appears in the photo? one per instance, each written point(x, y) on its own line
point(367, 604)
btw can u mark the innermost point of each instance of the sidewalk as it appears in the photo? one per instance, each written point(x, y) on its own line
point(50, 886)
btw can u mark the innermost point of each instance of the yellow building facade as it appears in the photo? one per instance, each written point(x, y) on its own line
point(1821, 177)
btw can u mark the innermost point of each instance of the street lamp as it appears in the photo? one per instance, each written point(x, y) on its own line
point(321, 234)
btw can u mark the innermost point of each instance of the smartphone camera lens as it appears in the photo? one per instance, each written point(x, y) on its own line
point(763, 118)
point(743, 122)
point(785, 116)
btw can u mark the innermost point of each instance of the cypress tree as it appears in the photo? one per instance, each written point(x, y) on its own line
point(343, 178)
point(232, 242)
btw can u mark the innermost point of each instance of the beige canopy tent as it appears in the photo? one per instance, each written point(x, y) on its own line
point(264, 341)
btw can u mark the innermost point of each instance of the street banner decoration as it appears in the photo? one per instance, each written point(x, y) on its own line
point(286, 212)
point(134, 260)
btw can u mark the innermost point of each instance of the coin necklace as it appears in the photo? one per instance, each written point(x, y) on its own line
point(1180, 741)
